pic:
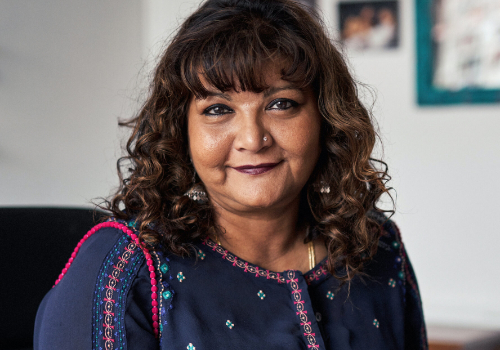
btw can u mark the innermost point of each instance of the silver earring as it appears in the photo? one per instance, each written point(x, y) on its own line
point(196, 193)
point(265, 138)
point(323, 187)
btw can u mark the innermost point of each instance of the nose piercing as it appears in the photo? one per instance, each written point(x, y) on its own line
point(265, 138)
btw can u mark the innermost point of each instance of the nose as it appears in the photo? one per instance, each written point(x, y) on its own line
point(251, 134)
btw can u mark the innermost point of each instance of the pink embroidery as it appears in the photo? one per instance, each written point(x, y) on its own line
point(110, 287)
point(110, 302)
point(299, 304)
point(242, 264)
point(316, 274)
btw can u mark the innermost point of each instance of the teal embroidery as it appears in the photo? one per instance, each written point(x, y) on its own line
point(201, 255)
point(190, 347)
point(132, 224)
point(181, 277)
point(392, 283)
point(167, 295)
point(376, 323)
point(401, 275)
point(395, 245)
point(330, 295)
point(164, 268)
point(261, 295)
point(229, 324)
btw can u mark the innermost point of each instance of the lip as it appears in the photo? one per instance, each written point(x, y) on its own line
point(256, 169)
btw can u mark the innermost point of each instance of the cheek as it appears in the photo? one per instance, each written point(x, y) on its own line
point(208, 148)
point(301, 140)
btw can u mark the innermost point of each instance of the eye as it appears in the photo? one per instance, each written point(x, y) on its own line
point(282, 104)
point(217, 109)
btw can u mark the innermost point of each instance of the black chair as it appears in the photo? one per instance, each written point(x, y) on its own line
point(35, 245)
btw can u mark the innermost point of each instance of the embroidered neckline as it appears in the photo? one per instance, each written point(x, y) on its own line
point(318, 271)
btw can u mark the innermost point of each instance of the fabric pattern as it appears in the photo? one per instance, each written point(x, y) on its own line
point(215, 300)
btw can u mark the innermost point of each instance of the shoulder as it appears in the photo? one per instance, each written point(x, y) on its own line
point(389, 260)
point(89, 298)
point(390, 236)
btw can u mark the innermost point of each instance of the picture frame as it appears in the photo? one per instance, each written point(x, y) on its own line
point(369, 24)
point(458, 61)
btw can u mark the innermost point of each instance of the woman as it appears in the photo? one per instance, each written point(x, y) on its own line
point(251, 155)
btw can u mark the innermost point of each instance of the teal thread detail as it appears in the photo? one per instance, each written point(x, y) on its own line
point(167, 295)
point(164, 268)
point(261, 295)
point(401, 275)
point(392, 283)
point(190, 347)
point(132, 224)
point(395, 245)
point(229, 324)
point(201, 255)
point(330, 295)
point(181, 277)
point(376, 323)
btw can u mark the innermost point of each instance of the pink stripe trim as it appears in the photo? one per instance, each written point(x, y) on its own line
point(149, 262)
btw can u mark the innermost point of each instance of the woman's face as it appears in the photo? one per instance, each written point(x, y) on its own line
point(255, 151)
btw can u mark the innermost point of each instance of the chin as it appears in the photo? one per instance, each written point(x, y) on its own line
point(262, 202)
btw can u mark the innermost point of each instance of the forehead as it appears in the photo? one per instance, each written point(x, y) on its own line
point(257, 77)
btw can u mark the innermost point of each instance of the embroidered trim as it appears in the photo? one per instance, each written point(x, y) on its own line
point(159, 291)
point(243, 264)
point(316, 274)
point(110, 288)
point(301, 312)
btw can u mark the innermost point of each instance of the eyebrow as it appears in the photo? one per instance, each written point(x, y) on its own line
point(216, 94)
point(274, 90)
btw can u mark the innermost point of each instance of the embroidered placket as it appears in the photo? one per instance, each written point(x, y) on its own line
point(297, 285)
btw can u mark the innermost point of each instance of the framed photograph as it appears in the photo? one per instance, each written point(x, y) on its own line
point(368, 25)
point(458, 51)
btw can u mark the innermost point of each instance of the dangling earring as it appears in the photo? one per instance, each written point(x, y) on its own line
point(322, 187)
point(196, 192)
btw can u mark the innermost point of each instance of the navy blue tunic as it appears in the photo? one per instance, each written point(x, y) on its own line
point(214, 300)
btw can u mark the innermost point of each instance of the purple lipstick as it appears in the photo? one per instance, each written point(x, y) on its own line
point(255, 169)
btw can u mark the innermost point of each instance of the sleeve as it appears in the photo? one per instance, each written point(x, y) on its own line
point(102, 300)
point(415, 334)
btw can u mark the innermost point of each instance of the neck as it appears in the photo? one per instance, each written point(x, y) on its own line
point(269, 239)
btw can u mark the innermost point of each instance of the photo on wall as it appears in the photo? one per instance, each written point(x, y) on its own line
point(458, 51)
point(368, 25)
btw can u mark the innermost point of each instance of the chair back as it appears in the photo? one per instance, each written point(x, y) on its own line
point(35, 245)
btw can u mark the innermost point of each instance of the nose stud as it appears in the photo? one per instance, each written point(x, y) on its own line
point(265, 138)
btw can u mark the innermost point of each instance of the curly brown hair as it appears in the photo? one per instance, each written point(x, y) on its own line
point(229, 43)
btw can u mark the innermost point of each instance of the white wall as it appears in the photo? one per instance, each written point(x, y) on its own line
point(67, 72)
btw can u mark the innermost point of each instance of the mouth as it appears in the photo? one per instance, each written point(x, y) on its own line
point(256, 169)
